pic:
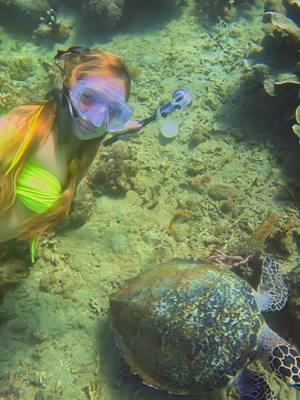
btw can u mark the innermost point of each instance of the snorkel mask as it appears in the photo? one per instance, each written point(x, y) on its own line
point(93, 106)
point(96, 104)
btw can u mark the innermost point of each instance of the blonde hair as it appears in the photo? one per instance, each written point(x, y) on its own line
point(29, 126)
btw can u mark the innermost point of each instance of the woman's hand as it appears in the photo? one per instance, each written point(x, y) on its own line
point(131, 125)
point(125, 133)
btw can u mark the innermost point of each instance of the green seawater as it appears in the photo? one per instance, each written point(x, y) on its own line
point(228, 167)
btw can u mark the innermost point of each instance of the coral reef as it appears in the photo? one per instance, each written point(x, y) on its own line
point(296, 126)
point(82, 207)
point(108, 14)
point(50, 28)
point(27, 7)
point(275, 64)
point(36, 19)
point(13, 269)
point(18, 68)
point(23, 12)
point(110, 11)
point(41, 20)
point(113, 170)
point(15, 73)
point(263, 232)
point(225, 9)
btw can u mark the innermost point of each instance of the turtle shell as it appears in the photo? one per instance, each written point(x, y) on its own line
point(186, 328)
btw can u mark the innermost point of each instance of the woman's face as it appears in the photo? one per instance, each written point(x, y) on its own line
point(98, 105)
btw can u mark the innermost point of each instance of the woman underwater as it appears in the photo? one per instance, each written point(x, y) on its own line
point(46, 147)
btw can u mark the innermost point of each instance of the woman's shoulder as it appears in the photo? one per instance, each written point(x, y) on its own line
point(7, 120)
point(11, 121)
point(8, 126)
point(18, 116)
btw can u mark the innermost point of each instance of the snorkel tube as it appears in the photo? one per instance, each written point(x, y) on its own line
point(181, 98)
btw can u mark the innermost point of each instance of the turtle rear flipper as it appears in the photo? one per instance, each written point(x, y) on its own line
point(253, 386)
point(272, 292)
point(279, 356)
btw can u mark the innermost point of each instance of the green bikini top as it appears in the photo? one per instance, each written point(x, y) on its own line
point(37, 189)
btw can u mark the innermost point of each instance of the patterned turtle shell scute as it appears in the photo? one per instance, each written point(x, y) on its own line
point(186, 328)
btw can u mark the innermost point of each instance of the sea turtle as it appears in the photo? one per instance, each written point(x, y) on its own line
point(193, 328)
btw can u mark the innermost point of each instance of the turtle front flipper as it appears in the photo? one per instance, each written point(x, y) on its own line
point(279, 356)
point(272, 292)
point(253, 386)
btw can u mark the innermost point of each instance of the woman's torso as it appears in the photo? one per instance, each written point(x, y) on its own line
point(52, 157)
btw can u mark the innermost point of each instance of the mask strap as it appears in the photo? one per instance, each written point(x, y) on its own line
point(61, 54)
point(60, 58)
point(66, 110)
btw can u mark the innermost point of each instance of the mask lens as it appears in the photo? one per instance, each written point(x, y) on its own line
point(86, 100)
point(100, 107)
point(119, 113)
point(97, 115)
